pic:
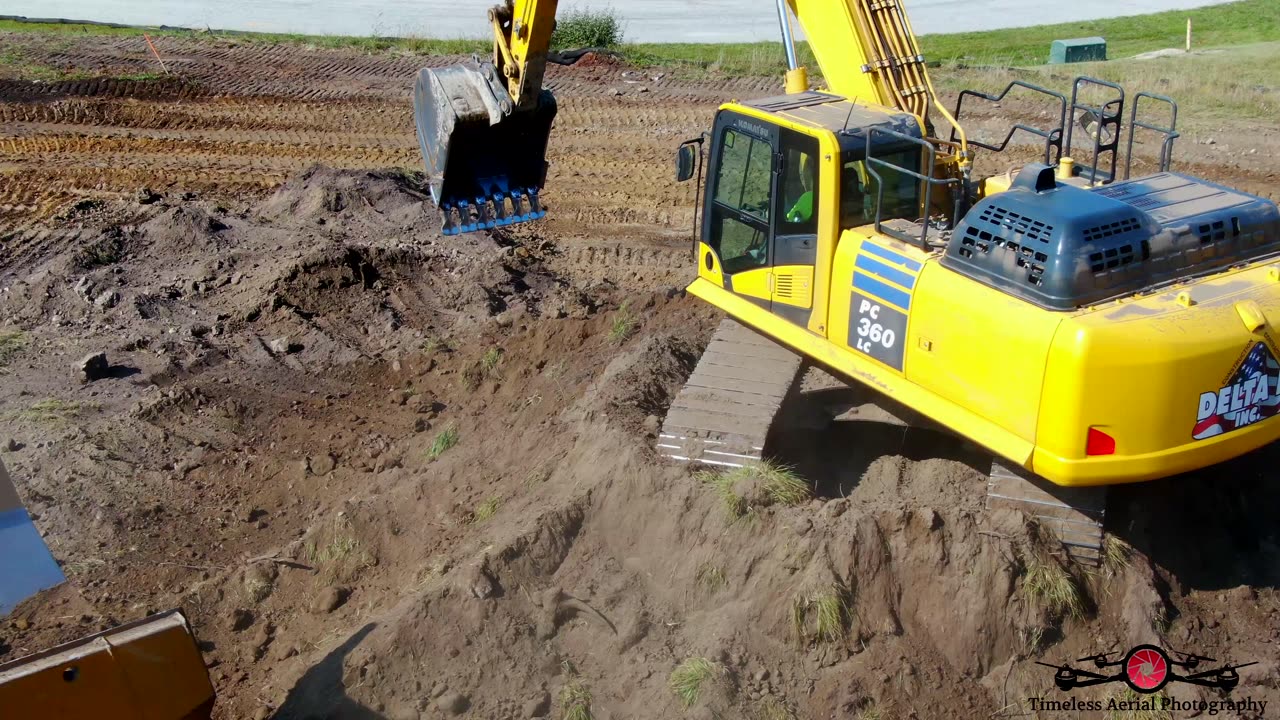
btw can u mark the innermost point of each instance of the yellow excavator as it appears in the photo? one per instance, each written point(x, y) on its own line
point(1086, 327)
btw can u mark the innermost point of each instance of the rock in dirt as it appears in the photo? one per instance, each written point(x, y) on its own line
point(12, 445)
point(328, 600)
point(321, 465)
point(106, 300)
point(453, 703)
point(93, 366)
point(83, 287)
point(539, 706)
point(283, 346)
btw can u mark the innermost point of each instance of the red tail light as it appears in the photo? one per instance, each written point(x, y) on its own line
point(1099, 443)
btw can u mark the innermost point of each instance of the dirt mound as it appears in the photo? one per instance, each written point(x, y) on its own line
point(594, 59)
point(579, 592)
point(320, 193)
point(185, 230)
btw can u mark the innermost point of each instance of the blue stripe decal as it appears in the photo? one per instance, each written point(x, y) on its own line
point(888, 293)
point(891, 256)
point(894, 275)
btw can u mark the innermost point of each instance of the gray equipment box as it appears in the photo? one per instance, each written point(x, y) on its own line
point(1093, 49)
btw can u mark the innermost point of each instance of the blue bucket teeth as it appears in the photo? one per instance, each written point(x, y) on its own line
point(501, 207)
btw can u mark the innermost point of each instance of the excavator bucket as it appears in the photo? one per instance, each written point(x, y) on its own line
point(485, 158)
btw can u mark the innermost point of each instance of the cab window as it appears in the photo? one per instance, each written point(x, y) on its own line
point(798, 213)
point(859, 189)
point(743, 186)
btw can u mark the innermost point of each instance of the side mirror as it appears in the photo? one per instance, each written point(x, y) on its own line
point(686, 157)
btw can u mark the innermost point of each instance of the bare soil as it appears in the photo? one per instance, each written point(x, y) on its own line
point(393, 475)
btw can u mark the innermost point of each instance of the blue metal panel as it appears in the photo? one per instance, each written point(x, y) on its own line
point(881, 290)
point(26, 565)
point(871, 265)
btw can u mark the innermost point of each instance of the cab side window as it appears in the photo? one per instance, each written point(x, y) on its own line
point(743, 189)
point(857, 207)
point(860, 189)
point(798, 186)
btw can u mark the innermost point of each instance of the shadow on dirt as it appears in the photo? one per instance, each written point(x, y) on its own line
point(1213, 529)
point(837, 458)
point(319, 693)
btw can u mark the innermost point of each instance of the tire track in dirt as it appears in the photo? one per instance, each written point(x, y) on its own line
point(245, 116)
point(231, 114)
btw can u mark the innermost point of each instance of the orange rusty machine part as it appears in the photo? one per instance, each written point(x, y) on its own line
point(146, 670)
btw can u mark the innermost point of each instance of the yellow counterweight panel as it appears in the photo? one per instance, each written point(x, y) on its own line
point(1155, 372)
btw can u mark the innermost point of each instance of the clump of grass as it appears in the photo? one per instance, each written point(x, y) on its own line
point(433, 345)
point(12, 342)
point(1129, 706)
point(871, 712)
point(771, 708)
point(49, 410)
point(575, 700)
point(257, 589)
point(486, 510)
point(489, 361)
point(537, 477)
point(745, 489)
point(337, 552)
point(711, 578)
point(340, 547)
point(581, 28)
point(1161, 622)
point(1052, 587)
point(103, 251)
point(445, 440)
point(821, 616)
point(688, 678)
point(623, 325)
point(1115, 555)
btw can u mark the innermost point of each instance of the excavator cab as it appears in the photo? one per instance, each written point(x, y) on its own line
point(485, 158)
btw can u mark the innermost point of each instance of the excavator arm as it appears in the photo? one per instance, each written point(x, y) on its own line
point(483, 126)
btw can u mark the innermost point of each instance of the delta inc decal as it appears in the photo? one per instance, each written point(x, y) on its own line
point(1249, 396)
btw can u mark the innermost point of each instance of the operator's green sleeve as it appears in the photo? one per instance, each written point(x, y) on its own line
point(802, 211)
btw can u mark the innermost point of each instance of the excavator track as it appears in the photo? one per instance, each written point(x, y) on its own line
point(1073, 515)
point(723, 414)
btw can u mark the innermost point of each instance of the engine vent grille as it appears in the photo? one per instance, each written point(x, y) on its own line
point(1111, 258)
point(1120, 227)
point(1010, 220)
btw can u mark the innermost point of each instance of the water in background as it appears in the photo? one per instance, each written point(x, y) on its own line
point(646, 21)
